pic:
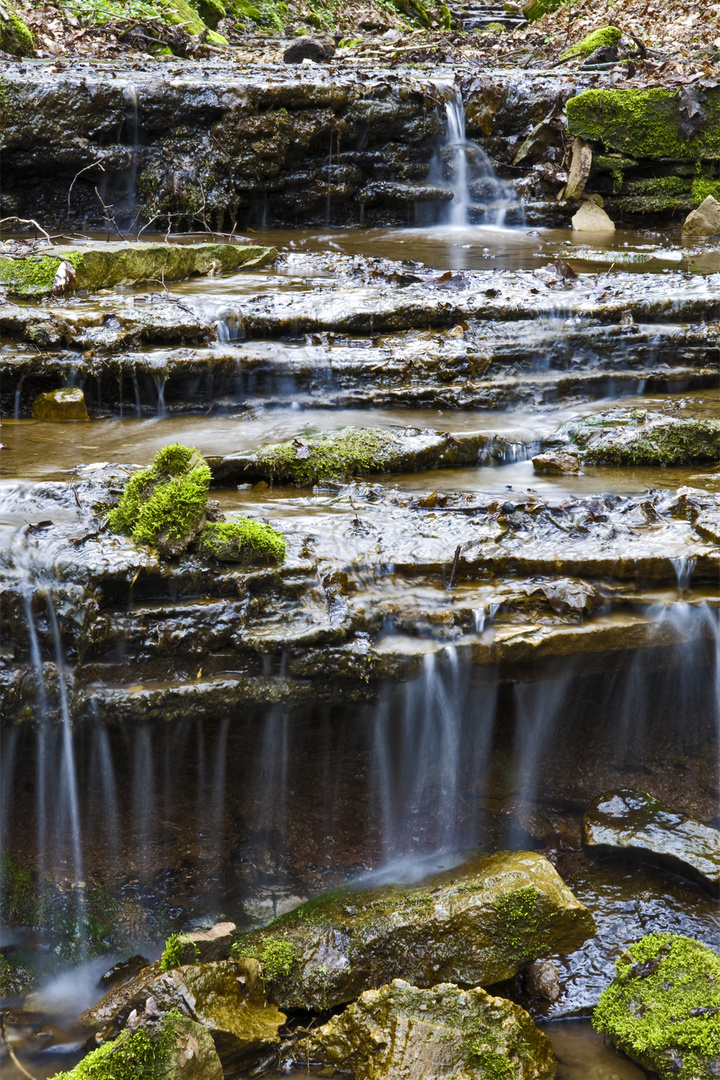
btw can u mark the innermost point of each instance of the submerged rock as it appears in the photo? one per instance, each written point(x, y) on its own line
point(663, 1007)
point(636, 823)
point(101, 266)
point(705, 221)
point(638, 437)
point(474, 925)
point(60, 405)
point(402, 1033)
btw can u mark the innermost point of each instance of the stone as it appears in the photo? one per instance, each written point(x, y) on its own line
point(705, 221)
point(60, 405)
point(556, 463)
point(15, 35)
point(542, 980)
point(309, 48)
point(638, 437)
point(214, 944)
point(122, 972)
point(603, 37)
point(592, 218)
point(475, 925)
point(627, 822)
point(663, 1007)
point(225, 997)
point(580, 167)
point(400, 1032)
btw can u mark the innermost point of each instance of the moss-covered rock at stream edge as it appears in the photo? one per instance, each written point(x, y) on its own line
point(663, 1007)
point(644, 123)
point(15, 35)
point(637, 437)
point(474, 925)
point(598, 39)
point(403, 1032)
point(179, 950)
point(242, 540)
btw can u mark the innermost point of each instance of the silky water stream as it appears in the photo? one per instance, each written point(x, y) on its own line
point(129, 820)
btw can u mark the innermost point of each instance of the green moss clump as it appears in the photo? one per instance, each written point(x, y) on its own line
point(663, 1007)
point(335, 456)
point(278, 957)
point(643, 123)
point(15, 35)
point(243, 540)
point(519, 914)
point(702, 186)
point(164, 505)
point(211, 12)
point(537, 8)
point(492, 1066)
point(179, 950)
point(598, 39)
point(133, 1055)
point(33, 275)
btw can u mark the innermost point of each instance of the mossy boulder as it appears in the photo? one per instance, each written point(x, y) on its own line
point(67, 403)
point(601, 38)
point(225, 998)
point(15, 35)
point(535, 9)
point(175, 1048)
point(404, 1033)
point(474, 925)
point(663, 1007)
point(644, 123)
point(635, 823)
point(165, 505)
point(242, 540)
point(638, 437)
point(181, 13)
point(104, 265)
point(340, 455)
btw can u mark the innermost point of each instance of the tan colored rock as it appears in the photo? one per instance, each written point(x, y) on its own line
point(592, 218)
point(60, 405)
point(402, 1033)
point(542, 980)
point(214, 944)
point(556, 463)
point(579, 169)
point(705, 221)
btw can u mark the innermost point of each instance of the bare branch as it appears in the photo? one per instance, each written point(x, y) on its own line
point(28, 221)
point(90, 166)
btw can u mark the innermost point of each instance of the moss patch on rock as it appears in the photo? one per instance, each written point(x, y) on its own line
point(242, 540)
point(644, 123)
point(179, 950)
point(598, 39)
point(132, 1054)
point(537, 8)
point(33, 275)
point(663, 1007)
point(637, 437)
point(15, 35)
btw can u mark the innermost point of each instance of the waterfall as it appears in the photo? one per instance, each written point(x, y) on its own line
point(479, 196)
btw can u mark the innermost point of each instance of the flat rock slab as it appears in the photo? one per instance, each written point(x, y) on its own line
point(103, 266)
point(477, 924)
point(639, 437)
point(635, 823)
point(404, 1033)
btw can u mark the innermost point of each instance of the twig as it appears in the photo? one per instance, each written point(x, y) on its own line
point(108, 217)
point(456, 560)
point(13, 1056)
point(28, 221)
point(90, 166)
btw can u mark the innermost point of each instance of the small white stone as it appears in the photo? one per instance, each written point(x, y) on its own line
point(592, 218)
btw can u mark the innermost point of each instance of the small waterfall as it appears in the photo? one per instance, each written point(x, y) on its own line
point(479, 196)
point(129, 201)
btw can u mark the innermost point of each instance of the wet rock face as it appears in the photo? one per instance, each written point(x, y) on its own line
point(211, 141)
point(474, 925)
point(404, 1033)
point(663, 1008)
point(635, 823)
point(636, 436)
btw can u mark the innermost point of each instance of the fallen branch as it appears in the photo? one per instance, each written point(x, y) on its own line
point(13, 1056)
point(90, 166)
point(28, 221)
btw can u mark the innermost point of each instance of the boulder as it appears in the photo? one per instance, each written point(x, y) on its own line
point(309, 47)
point(402, 1033)
point(474, 925)
point(60, 405)
point(214, 944)
point(580, 166)
point(635, 823)
point(556, 463)
point(542, 980)
point(705, 221)
point(639, 437)
point(663, 1007)
point(225, 997)
point(592, 218)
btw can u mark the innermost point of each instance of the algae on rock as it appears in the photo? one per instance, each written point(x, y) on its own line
point(663, 1007)
point(638, 437)
point(242, 540)
point(403, 1032)
point(15, 35)
point(474, 925)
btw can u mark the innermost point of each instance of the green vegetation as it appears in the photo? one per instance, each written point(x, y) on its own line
point(702, 186)
point(643, 123)
point(663, 1008)
point(277, 956)
point(242, 540)
point(637, 438)
point(519, 914)
point(600, 38)
point(15, 35)
point(133, 1055)
point(537, 8)
point(195, 20)
point(179, 950)
point(493, 1066)
point(335, 456)
point(33, 275)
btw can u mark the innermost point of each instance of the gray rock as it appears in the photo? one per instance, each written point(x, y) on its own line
point(705, 221)
point(628, 822)
point(309, 48)
point(214, 944)
point(592, 218)
point(542, 980)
